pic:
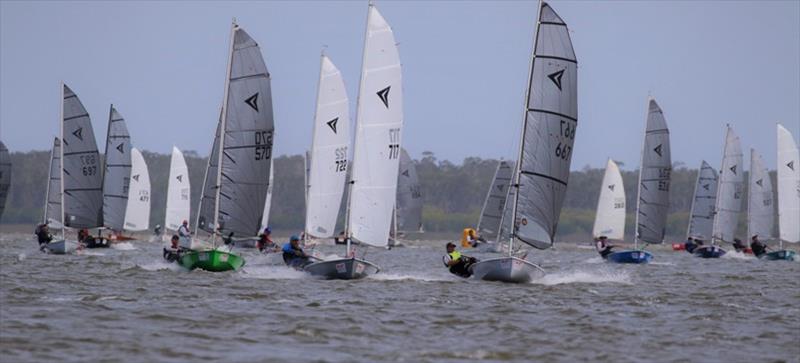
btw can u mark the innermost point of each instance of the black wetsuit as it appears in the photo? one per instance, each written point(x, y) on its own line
point(462, 267)
point(758, 248)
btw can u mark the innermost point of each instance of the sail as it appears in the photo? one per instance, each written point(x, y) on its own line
point(701, 217)
point(610, 218)
point(117, 173)
point(788, 187)
point(83, 180)
point(329, 153)
point(245, 141)
point(5, 176)
point(52, 210)
point(208, 198)
point(507, 222)
point(178, 192)
point(495, 203)
point(760, 207)
point(654, 178)
point(137, 214)
point(268, 201)
point(409, 196)
point(729, 193)
point(548, 133)
point(379, 122)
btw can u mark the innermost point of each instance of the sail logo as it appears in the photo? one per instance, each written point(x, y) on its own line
point(611, 187)
point(384, 95)
point(759, 182)
point(135, 177)
point(78, 133)
point(120, 148)
point(332, 124)
point(253, 101)
point(705, 186)
point(658, 150)
point(733, 169)
point(791, 165)
point(180, 178)
point(405, 173)
point(500, 187)
point(556, 78)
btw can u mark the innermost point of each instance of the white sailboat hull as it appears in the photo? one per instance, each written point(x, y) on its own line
point(507, 269)
point(61, 247)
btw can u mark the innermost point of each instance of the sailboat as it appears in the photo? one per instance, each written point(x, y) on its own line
point(116, 176)
point(5, 176)
point(178, 194)
point(609, 221)
point(53, 211)
point(237, 175)
point(376, 154)
point(729, 198)
point(407, 216)
point(545, 154)
point(491, 216)
point(80, 179)
point(137, 213)
point(788, 195)
point(701, 216)
point(327, 162)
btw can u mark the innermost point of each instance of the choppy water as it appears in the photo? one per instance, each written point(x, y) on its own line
point(125, 304)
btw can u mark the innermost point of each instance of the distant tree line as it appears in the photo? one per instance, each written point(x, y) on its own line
point(453, 194)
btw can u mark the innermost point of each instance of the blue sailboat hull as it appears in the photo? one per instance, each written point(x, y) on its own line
point(630, 256)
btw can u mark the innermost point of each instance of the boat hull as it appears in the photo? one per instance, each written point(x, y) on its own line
point(782, 255)
point(211, 260)
point(507, 269)
point(708, 252)
point(342, 269)
point(61, 247)
point(630, 256)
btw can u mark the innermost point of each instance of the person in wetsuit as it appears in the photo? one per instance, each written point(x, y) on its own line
point(173, 253)
point(265, 243)
point(293, 255)
point(758, 247)
point(603, 247)
point(43, 235)
point(692, 244)
point(738, 245)
point(457, 263)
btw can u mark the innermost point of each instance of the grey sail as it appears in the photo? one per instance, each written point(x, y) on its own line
point(492, 212)
point(730, 190)
point(208, 200)
point(52, 208)
point(117, 173)
point(507, 222)
point(760, 204)
point(701, 217)
point(83, 180)
point(409, 197)
point(654, 178)
point(245, 141)
point(5, 176)
point(548, 133)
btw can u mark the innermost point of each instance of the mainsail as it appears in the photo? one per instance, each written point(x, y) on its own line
point(377, 141)
point(548, 132)
point(701, 217)
point(81, 177)
point(329, 152)
point(729, 193)
point(788, 187)
point(495, 203)
point(409, 196)
point(610, 218)
point(5, 176)
point(760, 206)
point(245, 144)
point(268, 201)
point(137, 214)
point(117, 172)
point(52, 209)
point(654, 178)
point(178, 192)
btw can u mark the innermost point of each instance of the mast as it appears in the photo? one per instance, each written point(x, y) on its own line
point(524, 129)
point(234, 27)
point(61, 168)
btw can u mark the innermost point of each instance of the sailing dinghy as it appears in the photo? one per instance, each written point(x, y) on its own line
point(53, 213)
point(609, 221)
point(788, 195)
point(729, 197)
point(701, 217)
point(116, 176)
point(376, 154)
point(545, 154)
point(237, 175)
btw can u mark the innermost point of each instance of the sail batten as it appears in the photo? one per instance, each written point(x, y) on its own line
point(729, 193)
point(701, 216)
point(788, 187)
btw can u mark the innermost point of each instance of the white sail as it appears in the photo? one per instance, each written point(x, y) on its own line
point(729, 193)
point(116, 172)
point(760, 205)
point(178, 192)
point(52, 210)
point(610, 218)
point(379, 122)
point(495, 203)
point(268, 201)
point(654, 178)
point(788, 187)
point(548, 132)
point(137, 215)
point(329, 153)
point(701, 217)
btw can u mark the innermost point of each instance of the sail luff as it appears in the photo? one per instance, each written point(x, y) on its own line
point(223, 129)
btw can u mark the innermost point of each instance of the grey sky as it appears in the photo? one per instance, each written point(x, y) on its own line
point(464, 65)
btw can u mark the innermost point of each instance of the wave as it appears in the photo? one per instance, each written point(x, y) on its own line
point(159, 265)
point(590, 277)
point(123, 246)
point(272, 273)
point(413, 277)
point(90, 253)
point(734, 255)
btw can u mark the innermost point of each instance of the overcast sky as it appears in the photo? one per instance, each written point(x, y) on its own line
point(162, 64)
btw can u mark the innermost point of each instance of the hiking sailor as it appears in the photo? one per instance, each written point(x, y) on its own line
point(603, 247)
point(293, 255)
point(458, 264)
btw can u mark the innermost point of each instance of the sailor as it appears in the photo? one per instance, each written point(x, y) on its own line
point(457, 263)
point(469, 238)
point(758, 247)
point(738, 245)
point(603, 247)
point(293, 255)
point(157, 230)
point(173, 253)
point(692, 244)
point(265, 243)
point(183, 230)
point(43, 235)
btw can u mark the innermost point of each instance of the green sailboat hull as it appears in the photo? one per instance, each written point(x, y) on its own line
point(211, 260)
point(779, 255)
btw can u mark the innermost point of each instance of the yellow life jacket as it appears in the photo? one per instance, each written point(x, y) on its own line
point(455, 255)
